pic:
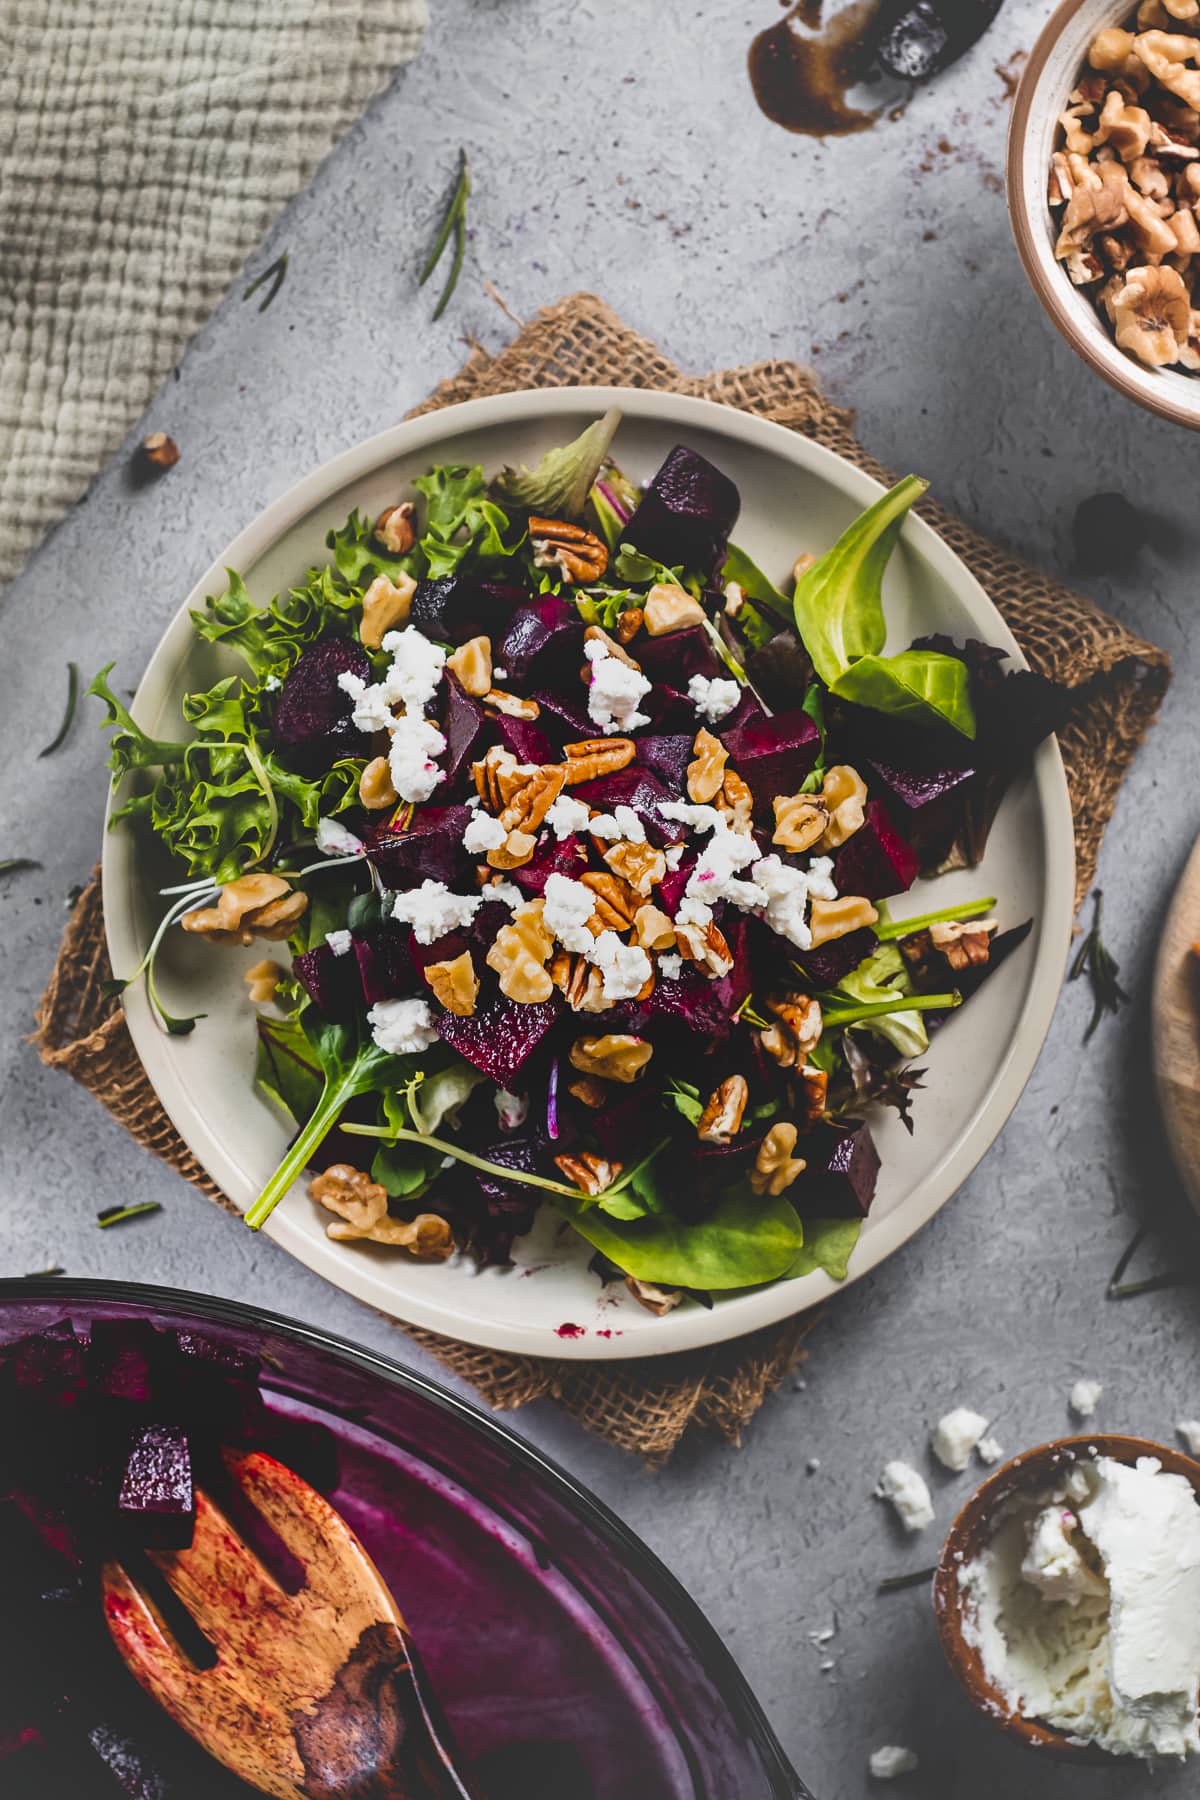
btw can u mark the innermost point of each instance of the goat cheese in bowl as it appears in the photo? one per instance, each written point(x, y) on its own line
point(1068, 1598)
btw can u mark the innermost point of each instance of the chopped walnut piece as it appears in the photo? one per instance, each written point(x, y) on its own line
point(516, 850)
point(1167, 55)
point(658, 1300)
point(262, 980)
point(796, 1030)
point(653, 930)
point(800, 819)
point(362, 1208)
point(1093, 206)
point(736, 800)
point(1079, 141)
point(386, 604)
point(588, 1171)
point(775, 1168)
point(829, 919)
point(670, 609)
point(1152, 315)
point(578, 555)
point(252, 906)
point(617, 1056)
point(593, 757)
point(520, 953)
point(965, 943)
point(394, 528)
point(455, 984)
point(641, 865)
point(844, 793)
point(376, 789)
point(1126, 128)
point(1183, 225)
point(1110, 49)
point(721, 1119)
point(1150, 178)
point(706, 773)
point(589, 1090)
point(472, 663)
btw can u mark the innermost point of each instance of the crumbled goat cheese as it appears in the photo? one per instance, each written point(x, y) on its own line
point(1189, 1431)
point(272, 684)
point(333, 839)
point(567, 816)
point(787, 892)
point(700, 818)
point(694, 912)
point(416, 670)
point(340, 942)
point(402, 1027)
point(415, 743)
point(372, 711)
point(989, 1450)
point(507, 891)
point(511, 1109)
point(432, 910)
point(671, 966)
point(499, 674)
point(956, 1435)
point(1083, 1397)
point(891, 1760)
point(908, 1493)
point(713, 699)
point(674, 855)
point(482, 834)
point(569, 906)
point(626, 967)
point(614, 691)
point(714, 877)
point(820, 878)
point(621, 823)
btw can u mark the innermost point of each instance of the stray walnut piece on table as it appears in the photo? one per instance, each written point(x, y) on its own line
point(1126, 177)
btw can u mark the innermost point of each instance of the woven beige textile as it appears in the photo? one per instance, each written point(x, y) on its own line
point(145, 147)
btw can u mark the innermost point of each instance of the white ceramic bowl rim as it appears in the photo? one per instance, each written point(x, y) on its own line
point(688, 1327)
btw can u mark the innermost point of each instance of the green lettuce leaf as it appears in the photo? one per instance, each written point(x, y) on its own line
point(884, 975)
point(558, 487)
point(754, 584)
point(745, 1241)
point(130, 747)
point(360, 558)
point(827, 1245)
point(273, 638)
point(285, 1067)
point(917, 685)
point(461, 522)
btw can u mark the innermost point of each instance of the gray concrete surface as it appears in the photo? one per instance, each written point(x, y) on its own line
point(619, 148)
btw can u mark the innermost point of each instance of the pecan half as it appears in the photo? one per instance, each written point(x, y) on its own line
point(588, 1171)
point(814, 1088)
point(532, 798)
point(593, 757)
point(629, 624)
point(578, 555)
point(796, 1031)
point(705, 945)
point(722, 1115)
point(580, 984)
point(514, 706)
point(964, 944)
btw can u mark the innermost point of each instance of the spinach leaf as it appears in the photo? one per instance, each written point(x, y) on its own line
point(285, 1067)
point(827, 1245)
point(918, 685)
point(743, 1242)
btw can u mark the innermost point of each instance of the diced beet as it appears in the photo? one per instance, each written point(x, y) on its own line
point(781, 670)
point(636, 787)
point(484, 926)
point(687, 512)
point(710, 1167)
point(429, 849)
point(454, 608)
point(122, 1356)
point(552, 857)
point(442, 949)
point(331, 982)
point(674, 883)
point(211, 1358)
point(385, 963)
point(526, 739)
point(543, 642)
point(501, 1038)
point(694, 1000)
point(48, 1370)
point(156, 1501)
point(926, 801)
point(677, 656)
point(877, 860)
point(464, 726)
point(746, 712)
point(668, 710)
point(63, 1517)
point(312, 721)
point(668, 757)
point(772, 755)
point(839, 1182)
point(827, 965)
point(218, 1387)
point(628, 1126)
point(527, 1154)
point(565, 719)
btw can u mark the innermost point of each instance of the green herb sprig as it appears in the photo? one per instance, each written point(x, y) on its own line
point(276, 275)
point(60, 735)
point(15, 864)
point(120, 1215)
point(1101, 969)
point(454, 222)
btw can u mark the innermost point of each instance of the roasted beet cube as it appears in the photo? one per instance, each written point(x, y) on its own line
point(313, 723)
point(526, 739)
point(636, 787)
point(827, 965)
point(677, 656)
point(465, 726)
point(454, 608)
point(430, 847)
point(668, 710)
point(839, 1182)
point(563, 719)
point(686, 514)
point(668, 756)
point(877, 860)
point(926, 800)
point(500, 1038)
point(122, 1356)
point(49, 1370)
point(156, 1502)
point(217, 1387)
point(553, 856)
point(331, 982)
point(772, 755)
point(543, 642)
point(385, 964)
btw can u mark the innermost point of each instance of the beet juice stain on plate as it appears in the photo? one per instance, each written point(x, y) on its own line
point(802, 71)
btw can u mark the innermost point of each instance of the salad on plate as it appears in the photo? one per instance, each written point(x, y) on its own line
point(579, 839)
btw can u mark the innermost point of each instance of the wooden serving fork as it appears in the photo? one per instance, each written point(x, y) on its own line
point(313, 1695)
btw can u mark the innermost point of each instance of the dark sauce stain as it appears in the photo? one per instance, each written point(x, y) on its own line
point(801, 81)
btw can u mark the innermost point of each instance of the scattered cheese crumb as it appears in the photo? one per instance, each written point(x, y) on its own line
point(401, 1027)
point(371, 711)
point(626, 967)
point(272, 684)
point(507, 891)
point(569, 906)
point(713, 699)
point(499, 674)
point(333, 839)
point(482, 834)
point(670, 965)
point(432, 910)
point(415, 744)
point(956, 1435)
point(567, 816)
point(812, 1465)
point(891, 1760)
point(1083, 1397)
point(511, 1109)
point(340, 942)
point(674, 855)
point(1189, 1431)
point(417, 664)
point(908, 1493)
point(989, 1450)
point(614, 691)
point(622, 823)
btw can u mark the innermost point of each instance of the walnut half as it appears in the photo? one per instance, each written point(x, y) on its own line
point(252, 906)
point(361, 1206)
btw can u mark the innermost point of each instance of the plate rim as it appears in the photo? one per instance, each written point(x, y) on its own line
point(752, 1310)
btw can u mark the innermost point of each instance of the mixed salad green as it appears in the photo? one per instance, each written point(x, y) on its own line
point(581, 837)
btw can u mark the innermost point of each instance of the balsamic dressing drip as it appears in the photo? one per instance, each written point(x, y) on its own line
point(801, 81)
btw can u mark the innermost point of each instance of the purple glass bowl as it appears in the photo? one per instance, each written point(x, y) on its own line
point(567, 1657)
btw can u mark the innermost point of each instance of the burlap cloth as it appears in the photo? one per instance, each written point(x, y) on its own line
point(1117, 681)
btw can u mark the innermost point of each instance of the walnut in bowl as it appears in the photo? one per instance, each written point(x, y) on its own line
point(1104, 187)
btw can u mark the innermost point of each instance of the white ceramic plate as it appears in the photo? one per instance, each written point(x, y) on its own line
point(795, 496)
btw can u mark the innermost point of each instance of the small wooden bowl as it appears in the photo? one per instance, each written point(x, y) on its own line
point(971, 1533)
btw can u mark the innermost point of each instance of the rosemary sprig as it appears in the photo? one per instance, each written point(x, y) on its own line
point(69, 716)
point(893, 1584)
point(454, 221)
point(15, 864)
point(1150, 1284)
point(276, 275)
point(117, 1215)
point(1094, 960)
